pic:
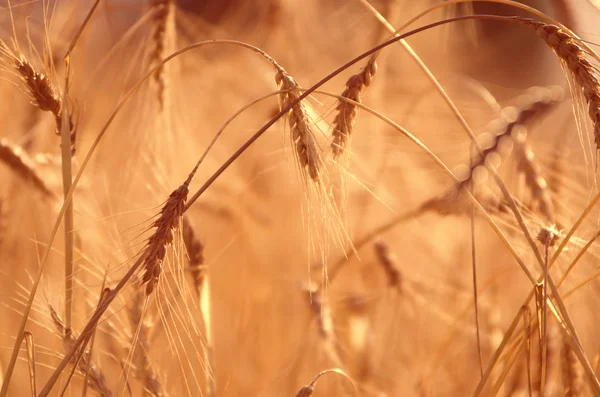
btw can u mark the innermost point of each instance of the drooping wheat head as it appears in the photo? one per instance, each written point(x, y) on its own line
point(38, 86)
point(578, 60)
point(347, 112)
point(306, 149)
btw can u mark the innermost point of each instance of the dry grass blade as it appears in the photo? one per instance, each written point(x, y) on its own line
point(306, 149)
point(31, 361)
point(347, 111)
point(20, 163)
point(166, 224)
point(96, 379)
point(577, 59)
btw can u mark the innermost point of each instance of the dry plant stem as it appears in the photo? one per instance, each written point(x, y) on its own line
point(31, 361)
point(527, 332)
point(577, 258)
point(92, 341)
point(83, 363)
point(67, 179)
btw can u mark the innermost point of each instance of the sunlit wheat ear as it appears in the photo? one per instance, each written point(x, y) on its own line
point(96, 380)
point(389, 262)
point(21, 164)
point(578, 60)
point(36, 85)
point(163, 37)
point(306, 149)
point(347, 112)
point(167, 223)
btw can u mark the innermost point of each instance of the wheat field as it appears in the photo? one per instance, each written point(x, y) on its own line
point(299, 198)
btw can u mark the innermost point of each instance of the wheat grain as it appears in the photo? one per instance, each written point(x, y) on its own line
point(346, 111)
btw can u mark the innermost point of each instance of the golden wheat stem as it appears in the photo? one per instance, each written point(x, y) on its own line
point(31, 361)
point(67, 179)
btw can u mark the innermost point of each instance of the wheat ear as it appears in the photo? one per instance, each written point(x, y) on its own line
point(577, 59)
point(346, 111)
point(195, 250)
point(306, 149)
point(166, 224)
point(37, 86)
point(163, 32)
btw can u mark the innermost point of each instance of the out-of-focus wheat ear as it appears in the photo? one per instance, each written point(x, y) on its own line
point(361, 337)
point(578, 61)
point(195, 251)
point(572, 373)
point(321, 311)
point(540, 193)
point(167, 223)
point(22, 165)
point(162, 41)
point(347, 112)
point(389, 262)
point(85, 366)
point(305, 147)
